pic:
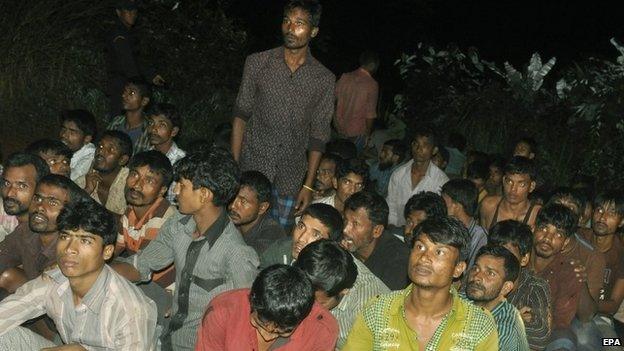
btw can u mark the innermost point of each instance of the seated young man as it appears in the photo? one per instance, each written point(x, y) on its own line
point(530, 294)
point(249, 212)
point(106, 181)
point(419, 207)
point(324, 181)
point(391, 156)
point(278, 313)
point(490, 279)
point(56, 154)
point(351, 177)
point(92, 306)
point(135, 98)
point(342, 284)
point(78, 131)
point(428, 314)
point(525, 147)
point(364, 235)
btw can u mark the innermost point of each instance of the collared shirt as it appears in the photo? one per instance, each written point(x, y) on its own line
point(264, 234)
point(381, 177)
point(533, 292)
point(221, 260)
point(389, 260)
point(81, 161)
point(286, 113)
point(279, 252)
point(8, 223)
point(366, 286)
point(227, 326)
point(614, 264)
point(511, 334)
point(113, 315)
point(116, 201)
point(23, 248)
point(327, 200)
point(400, 188)
point(594, 261)
point(382, 325)
point(356, 101)
point(478, 239)
point(140, 140)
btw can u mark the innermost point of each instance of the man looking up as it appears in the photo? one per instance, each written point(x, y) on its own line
point(284, 107)
point(164, 124)
point(249, 212)
point(351, 177)
point(364, 235)
point(78, 131)
point(92, 307)
point(391, 156)
point(428, 314)
point(56, 154)
point(518, 183)
point(419, 174)
point(419, 207)
point(490, 279)
point(324, 183)
point(135, 97)
point(107, 179)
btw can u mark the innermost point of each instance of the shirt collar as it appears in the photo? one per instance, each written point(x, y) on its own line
point(213, 232)
point(157, 209)
point(457, 311)
point(310, 60)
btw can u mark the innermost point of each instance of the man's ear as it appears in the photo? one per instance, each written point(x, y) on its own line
point(206, 195)
point(175, 131)
point(524, 261)
point(335, 183)
point(108, 252)
point(507, 288)
point(395, 159)
point(378, 230)
point(460, 267)
point(163, 191)
point(263, 208)
point(531, 155)
point(532, 187)
point(315, 31)
point(435, 150)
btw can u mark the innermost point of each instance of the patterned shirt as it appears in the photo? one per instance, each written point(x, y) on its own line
point(81, 161)
point(139, 144)
point(215, 262)
point(511, 334)
point(286, 113)
point(113, 315)
point(382, 325)
point(116, 201)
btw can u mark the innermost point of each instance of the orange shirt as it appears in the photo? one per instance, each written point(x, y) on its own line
point(356, 101)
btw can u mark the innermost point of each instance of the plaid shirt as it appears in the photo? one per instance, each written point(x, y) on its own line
point(142, 143)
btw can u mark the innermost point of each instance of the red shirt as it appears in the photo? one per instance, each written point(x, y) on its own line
point(227, 326)
point(356, 101)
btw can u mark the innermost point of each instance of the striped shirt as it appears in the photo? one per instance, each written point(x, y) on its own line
point(511, 334)
point(142, 143)
point(215, 262)
point(113, 315)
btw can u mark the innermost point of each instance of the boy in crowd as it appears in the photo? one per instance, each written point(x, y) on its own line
point(419, 207)
point(391, 156)
point(78, 132)
point(56, 154)
point(351, 177)
point(164, 123)
point(135, 98)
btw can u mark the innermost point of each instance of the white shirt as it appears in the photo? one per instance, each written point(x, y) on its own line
point(81, 161)
point(400, 188)
point(328, 200)
point(175, 153)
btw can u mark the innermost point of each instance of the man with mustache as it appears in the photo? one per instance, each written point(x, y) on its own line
point(390, 157)
point(164, 124)
point(34, 248)
point(249, 212)
point(490, 279)
point(324, 181)
point(21, 173)
point(284, 108)
point(351, 177)
point(78, 131)
point(106, 181)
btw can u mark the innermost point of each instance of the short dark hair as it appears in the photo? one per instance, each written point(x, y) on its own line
point(424, 130)
point(369, 58)
point(43, 146)
point(429, 202)
point(529, 141)
point(569, 195)
point(611, 196)
point(330, 267)
point(312, 7)
point(157, 162)
point(123, 141)
point(353, 165)
point(478, 170)
point(496, 160)
point(329, 216)
point(511, 264)
point(513, 232)
point(215, 170)
point(144, 88)
point(336, 159)
point(398, 148)
point(464, 192)
point(21, 159)
point(282, 295)
point(74, 192)
point(259, 183)
point(168, 110)
point(343, 148)
point(84, 120)
point(375, 205)
point(91, 217)
point(521, 165)
point(559, 216)
point(447, 231)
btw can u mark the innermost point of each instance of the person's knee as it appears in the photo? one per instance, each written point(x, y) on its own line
point(11, 279)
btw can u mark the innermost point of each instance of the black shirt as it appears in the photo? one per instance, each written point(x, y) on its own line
point(389, 261)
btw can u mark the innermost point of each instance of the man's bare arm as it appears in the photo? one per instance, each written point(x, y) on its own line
point(238, 128)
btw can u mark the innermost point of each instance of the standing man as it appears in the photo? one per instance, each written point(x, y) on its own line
point(121, 52)
point(356, 101)
point(283, 109)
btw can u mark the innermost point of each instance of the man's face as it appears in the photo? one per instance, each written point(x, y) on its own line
point(486, 279)
point(606, 220)
point(439, 161)
point(132, 99)
point(59, 164)
point(359, 231)
point(143, 186)
point(523, 149)
point(517, 187)
point(161, 130)
point(515, 250)
point(413, 219)
point(72, 136)
point(189, 199)
point(496, 175)
point(18, 188)
point(45, 207)
point(108, 156)
point(386, 157)
point(308, 230)
point(268, 331)
point(297, 29)
point(549, 240)
point(127, 17)
point(81, 254)
point(246, 208)
point(433, 265)
point(325, 175)
point(422, 149)
point(348, 185)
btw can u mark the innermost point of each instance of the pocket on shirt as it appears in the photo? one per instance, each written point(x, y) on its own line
point(208, 284)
